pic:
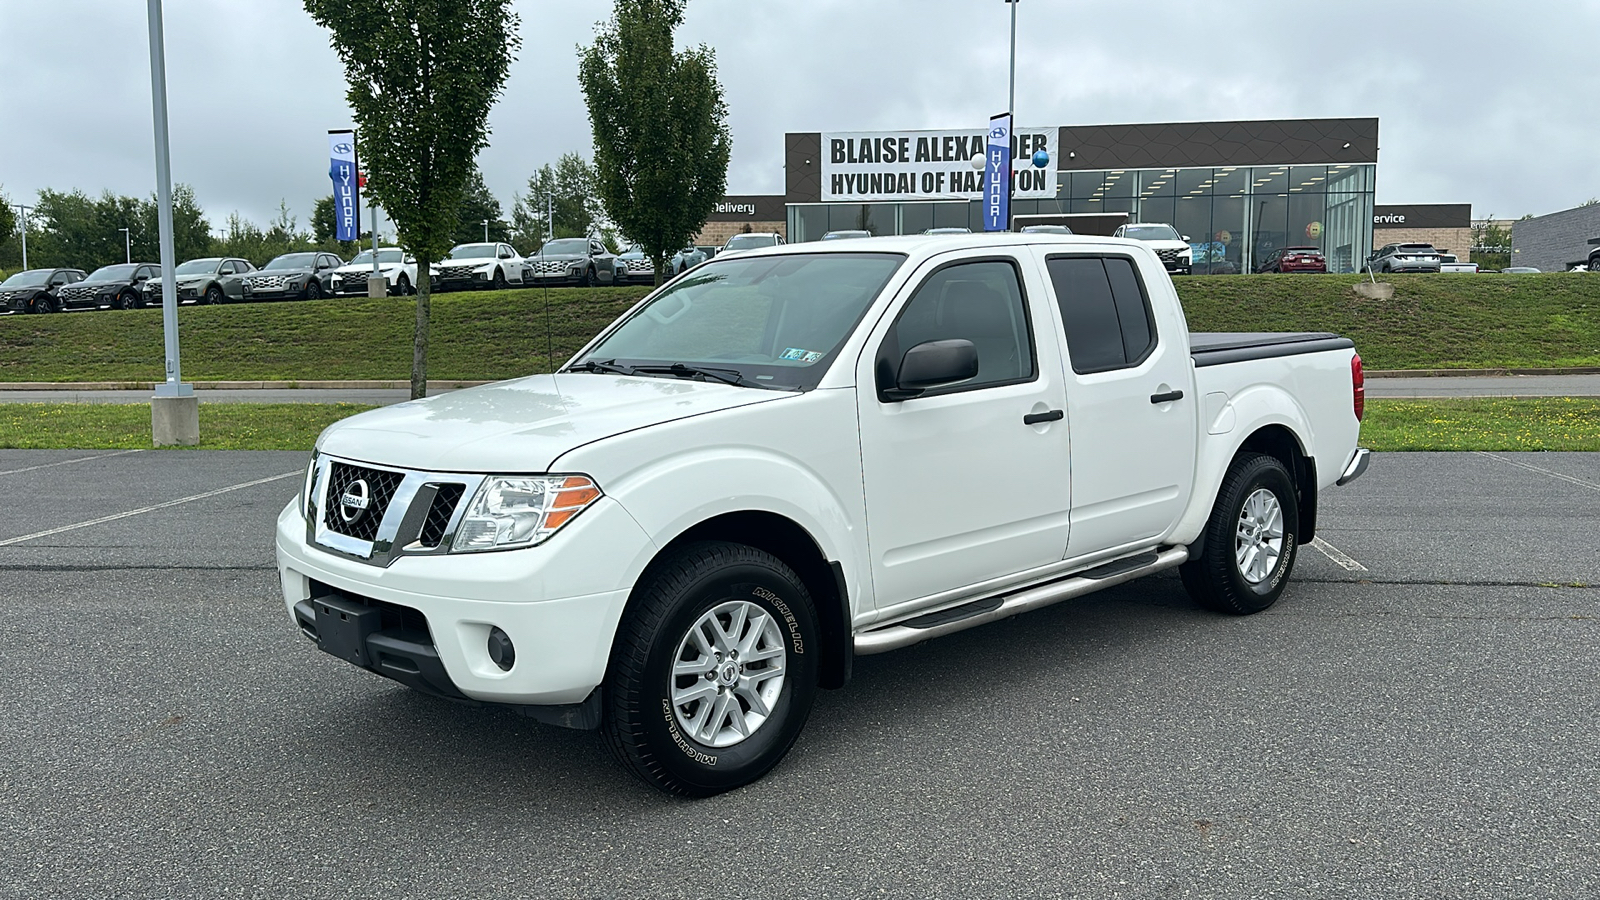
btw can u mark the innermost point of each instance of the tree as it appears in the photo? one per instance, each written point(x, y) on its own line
point(325, 224)
point(477, 204)
point(567, 188)
point(8, 227)
point(422, 77)
point(69, 228)
point(661, 140)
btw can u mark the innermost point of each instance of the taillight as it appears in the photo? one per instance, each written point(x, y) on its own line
point(1358, 385)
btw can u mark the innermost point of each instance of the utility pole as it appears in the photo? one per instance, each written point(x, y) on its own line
point(127, 246)
point(24, 210)
point(174, 411)
point(550, 205)
point(486, 231)
point(1011, 98)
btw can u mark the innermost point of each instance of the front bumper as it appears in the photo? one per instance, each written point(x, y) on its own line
point(559, 603)
point(568, 277)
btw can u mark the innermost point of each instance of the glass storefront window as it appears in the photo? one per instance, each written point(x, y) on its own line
point(915, 218)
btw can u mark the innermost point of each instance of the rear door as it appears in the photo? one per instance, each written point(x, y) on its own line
point(1129, 381)
point(967, 482)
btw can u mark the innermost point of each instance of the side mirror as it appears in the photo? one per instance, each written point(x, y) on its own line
point(141, 278)
point(933, 364)
point(1186, 237)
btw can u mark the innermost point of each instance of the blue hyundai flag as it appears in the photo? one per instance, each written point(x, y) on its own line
point(997, 175)
point(346, 191)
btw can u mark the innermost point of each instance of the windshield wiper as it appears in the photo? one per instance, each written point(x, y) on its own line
point(601, 365)
point(726, 376)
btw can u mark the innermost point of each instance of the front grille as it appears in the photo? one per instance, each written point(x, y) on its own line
point(456, 271)
point(551, 266)
point(74, 293)
point(640, 265)
point(381, 486)
point(266, 282)
point(444, 506)
point(1169, 254)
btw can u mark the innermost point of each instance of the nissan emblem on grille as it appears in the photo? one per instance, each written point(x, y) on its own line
point(353, 504)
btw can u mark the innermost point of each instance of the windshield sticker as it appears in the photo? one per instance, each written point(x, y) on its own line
point(796, 353)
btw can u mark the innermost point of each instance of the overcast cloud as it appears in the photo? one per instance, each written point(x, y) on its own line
point(1487, 103)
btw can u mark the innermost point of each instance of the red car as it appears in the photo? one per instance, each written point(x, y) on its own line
point(1294, 259)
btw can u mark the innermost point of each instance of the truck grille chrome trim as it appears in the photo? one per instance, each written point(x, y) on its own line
point(375, 515)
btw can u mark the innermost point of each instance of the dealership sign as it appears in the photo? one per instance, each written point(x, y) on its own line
point(875, 166)
point(346, 190)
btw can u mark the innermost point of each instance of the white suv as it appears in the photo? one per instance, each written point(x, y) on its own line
point(1173, 249)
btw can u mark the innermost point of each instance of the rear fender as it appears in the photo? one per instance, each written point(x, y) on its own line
point(1257, 407)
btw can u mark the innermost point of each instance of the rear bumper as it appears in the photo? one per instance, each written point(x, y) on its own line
point(1356, 467)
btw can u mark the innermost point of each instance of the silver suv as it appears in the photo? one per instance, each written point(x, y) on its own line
point(1404, 258)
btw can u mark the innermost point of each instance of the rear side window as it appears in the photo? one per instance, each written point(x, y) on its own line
point(978, 301)
point(1105, 312)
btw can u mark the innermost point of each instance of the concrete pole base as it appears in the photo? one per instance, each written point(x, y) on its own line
point(1381, 290)
point(175, 421)
point(377, 286)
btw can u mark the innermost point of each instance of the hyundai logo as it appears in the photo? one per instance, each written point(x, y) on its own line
point(342, 148)
point(997, 132)
point(354, 502)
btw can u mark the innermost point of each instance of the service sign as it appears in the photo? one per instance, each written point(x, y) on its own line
point(878, 166)
point(346, 191)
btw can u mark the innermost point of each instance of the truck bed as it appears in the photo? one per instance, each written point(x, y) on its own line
point(1219, 347)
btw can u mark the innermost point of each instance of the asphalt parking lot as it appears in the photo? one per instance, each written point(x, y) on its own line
point(1417, 718)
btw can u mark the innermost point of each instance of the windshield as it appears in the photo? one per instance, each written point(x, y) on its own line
point(385, 257)
point(1151, 233)
point(750, 241)
point(113, 273)
point(844, 235)
point(473, 251)
point(197, 267)
point(293, 261)
point(27, 279)
point(776, 320)
point(566, 247)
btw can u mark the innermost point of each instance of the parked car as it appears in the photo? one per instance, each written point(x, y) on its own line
point(1046, 229)
point(705, 515)
point(580, 261)
point(846, 234)
point(1593, 265)
point(119, 286)
point(1448, 263)
point(1294, 259)
point(1172, 248)
point(751, 240)
point(34, 290)
point(471, 266)
point(1404, 258)
point(199, 280)
point(1521, 270)
point(634, 267)
point(293, 276)
point(398, 268)
point(686, 259)
point(950, 230)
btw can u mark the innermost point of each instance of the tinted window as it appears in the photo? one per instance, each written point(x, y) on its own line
point(1104, 311)
point(980, 302)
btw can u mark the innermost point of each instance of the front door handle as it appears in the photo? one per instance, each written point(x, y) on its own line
point(1054, 415)
point(1168, 397)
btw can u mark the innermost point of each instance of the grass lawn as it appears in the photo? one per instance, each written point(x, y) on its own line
point(1434, 321)
point(1554, 423)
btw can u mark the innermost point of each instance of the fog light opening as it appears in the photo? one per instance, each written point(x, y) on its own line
point(501, 651)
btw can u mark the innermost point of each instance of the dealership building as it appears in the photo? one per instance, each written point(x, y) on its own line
point(1237, 190)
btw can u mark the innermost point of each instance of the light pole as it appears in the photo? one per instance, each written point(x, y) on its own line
point(127, 246)
point(1011, 97)
point(486, 231)
point(174, 411)
point(24, 210)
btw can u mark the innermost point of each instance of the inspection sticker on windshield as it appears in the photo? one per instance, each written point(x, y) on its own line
point(796, 353)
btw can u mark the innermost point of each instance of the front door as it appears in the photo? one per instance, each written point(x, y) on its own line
point(960, 488)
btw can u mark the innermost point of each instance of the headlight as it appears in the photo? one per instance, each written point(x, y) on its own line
point(509, 512)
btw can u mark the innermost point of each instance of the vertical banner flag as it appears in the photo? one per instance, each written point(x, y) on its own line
point(997, 175)
point(346, 193)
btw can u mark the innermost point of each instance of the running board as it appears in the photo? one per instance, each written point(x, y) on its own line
point(992, 609)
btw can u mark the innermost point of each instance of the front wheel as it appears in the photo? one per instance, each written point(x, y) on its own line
point(128, 299)
point(402, 286)
point(1250, 540)
point(314, 289)
point(498, 283)
point(713, 671)
point(213, 297)
point(589, 279)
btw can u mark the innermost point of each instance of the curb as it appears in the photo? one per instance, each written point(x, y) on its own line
point(1478, 373)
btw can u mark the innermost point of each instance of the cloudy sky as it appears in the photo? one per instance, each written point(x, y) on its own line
point(1491, 103)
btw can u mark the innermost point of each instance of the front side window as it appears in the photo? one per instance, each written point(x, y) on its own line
point(1104, 310)
point(777, 321)
point(980, 302)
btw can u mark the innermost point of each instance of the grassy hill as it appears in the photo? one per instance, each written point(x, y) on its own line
point(1434, 321)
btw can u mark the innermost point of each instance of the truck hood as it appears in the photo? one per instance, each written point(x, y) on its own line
point(524, 425)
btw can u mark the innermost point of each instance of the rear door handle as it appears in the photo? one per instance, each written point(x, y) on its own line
point(1168, 397)
point(1054, 415)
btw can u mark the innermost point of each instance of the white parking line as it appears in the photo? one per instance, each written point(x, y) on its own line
point(1338, 556)
point(144, 509)
point(1568, 478)
point(68, 462)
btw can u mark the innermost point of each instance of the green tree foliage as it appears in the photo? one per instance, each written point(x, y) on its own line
point(247, 240)
point(661, 140)
point(325, 224)
point(478, 204)
point(8, 233)
point(422, 76)
point(569, 190)
point(70, 228)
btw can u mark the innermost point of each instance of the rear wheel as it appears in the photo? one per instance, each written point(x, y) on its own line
point(713, 671)
point(1250, 540)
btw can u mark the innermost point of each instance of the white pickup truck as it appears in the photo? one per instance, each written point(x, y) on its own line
point(802, 454)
